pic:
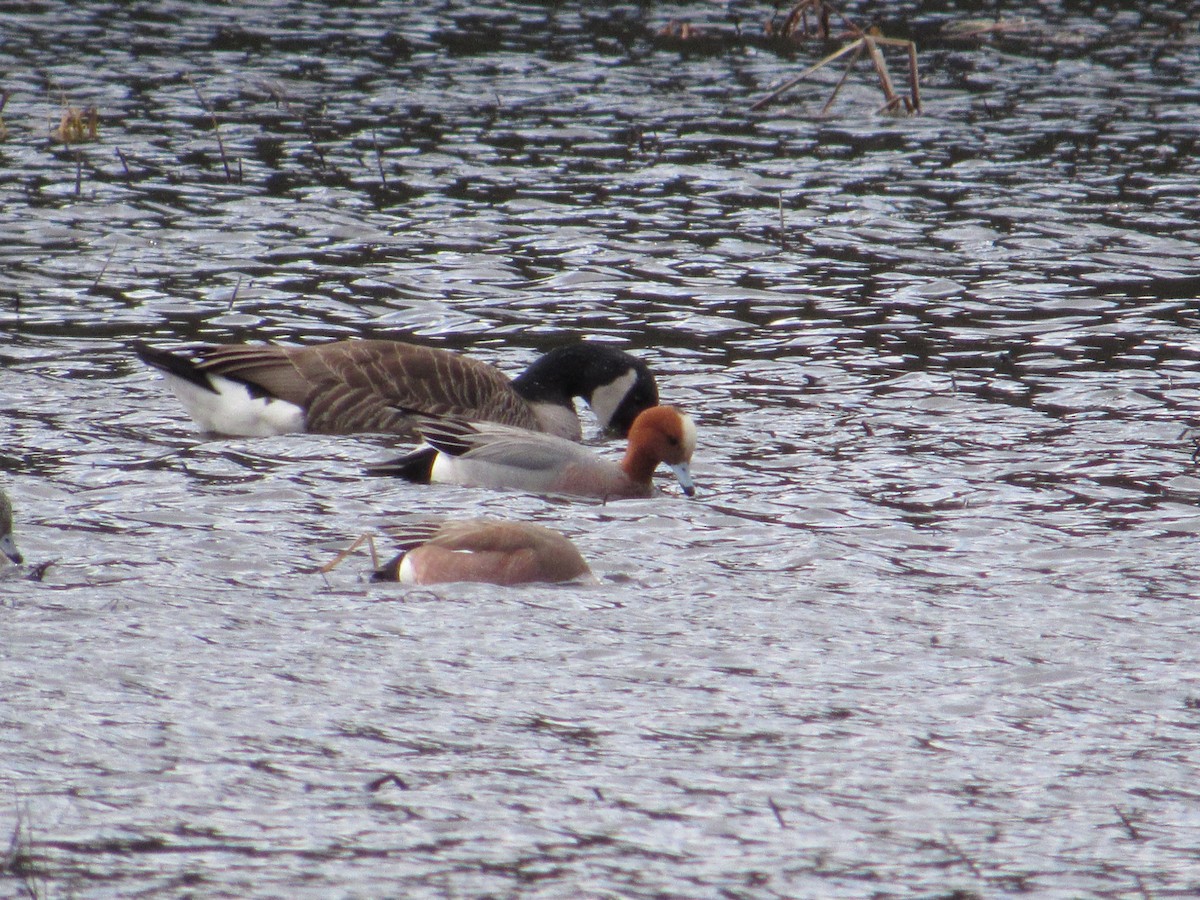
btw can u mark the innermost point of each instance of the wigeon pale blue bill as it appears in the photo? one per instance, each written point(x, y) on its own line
point(344, 387)
point(484, 454)
point(483, 550)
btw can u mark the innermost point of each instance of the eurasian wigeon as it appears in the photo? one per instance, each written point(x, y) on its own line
point(483, 454)
point(343, 387)
point(485, 550)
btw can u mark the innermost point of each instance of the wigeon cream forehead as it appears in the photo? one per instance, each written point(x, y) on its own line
point(689, 433)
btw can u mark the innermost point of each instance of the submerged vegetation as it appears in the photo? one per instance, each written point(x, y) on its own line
point(77, 126)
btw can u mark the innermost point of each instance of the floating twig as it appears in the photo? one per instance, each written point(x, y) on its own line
point(233, 296)
point(390, 778)
point(281, 98)
point(962, 857)
point(782, 227)
point(216, 128)
point(792, 82)
point(799, 17)
point(368, 539)
point(837, 88)
point(778, 813)
point(103, 269)
point(1129, 826)
point(864, 42)
point(379, 159)
point(125, 166)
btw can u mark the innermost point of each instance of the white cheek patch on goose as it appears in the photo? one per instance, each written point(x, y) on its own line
point(232, 408)
point(607, 398)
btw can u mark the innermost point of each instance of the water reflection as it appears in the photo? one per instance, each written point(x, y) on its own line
point(933, 603)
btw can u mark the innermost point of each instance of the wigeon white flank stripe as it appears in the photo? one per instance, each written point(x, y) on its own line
point(344, 387)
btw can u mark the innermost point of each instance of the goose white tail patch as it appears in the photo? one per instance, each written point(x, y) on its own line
point(230, 408)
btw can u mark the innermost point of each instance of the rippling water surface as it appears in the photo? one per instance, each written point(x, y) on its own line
point(927, 631)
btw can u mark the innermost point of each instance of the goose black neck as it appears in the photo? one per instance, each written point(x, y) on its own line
point(574, 371)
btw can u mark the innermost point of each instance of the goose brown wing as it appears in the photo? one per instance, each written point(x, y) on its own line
point(265, 366)
point(335, 407)
point(355, 381)
point(351, 386)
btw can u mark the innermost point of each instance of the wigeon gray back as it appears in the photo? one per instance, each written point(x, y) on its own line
point(486, 455)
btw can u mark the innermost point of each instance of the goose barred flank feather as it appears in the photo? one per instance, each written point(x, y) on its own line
point(352, 386)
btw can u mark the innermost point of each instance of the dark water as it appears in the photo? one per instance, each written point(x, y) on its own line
point(929, 628)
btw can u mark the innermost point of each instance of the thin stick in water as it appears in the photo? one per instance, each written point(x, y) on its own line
point(782, 226)
point(778, 813)
point(216, 128)
point(233, 296)
point(124, 165)
point(103, 268)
